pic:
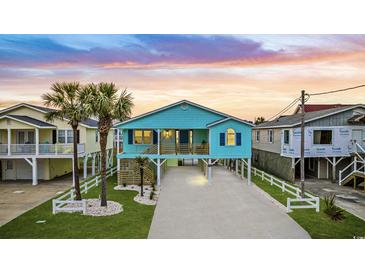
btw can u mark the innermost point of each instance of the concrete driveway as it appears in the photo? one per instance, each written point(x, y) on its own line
point(19, 197)
point(228, 208)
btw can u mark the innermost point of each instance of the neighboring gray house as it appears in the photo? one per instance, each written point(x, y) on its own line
point(334, 139)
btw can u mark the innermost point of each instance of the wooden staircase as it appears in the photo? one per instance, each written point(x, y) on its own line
point(130, 173)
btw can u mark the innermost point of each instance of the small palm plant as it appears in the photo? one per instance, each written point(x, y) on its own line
point(142, 163)
point(334, 212)
point(66, 99)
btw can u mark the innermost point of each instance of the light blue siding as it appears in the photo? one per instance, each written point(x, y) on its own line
point(194, 118)
point(176, 117)
point(243, 151)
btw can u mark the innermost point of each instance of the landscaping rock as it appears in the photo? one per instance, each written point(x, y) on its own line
point(94, 208)
point(145, 200)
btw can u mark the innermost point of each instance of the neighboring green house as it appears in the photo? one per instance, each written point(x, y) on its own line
point(33, 148)
point(183, 131)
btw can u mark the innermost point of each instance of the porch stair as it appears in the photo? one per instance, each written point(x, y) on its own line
point(130, 173)
point(353, 173)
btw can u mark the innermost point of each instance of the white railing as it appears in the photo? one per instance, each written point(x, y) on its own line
point(356, 166)
point(43, 149)
point(309, 200)
point(3, 149)
point(66, 202)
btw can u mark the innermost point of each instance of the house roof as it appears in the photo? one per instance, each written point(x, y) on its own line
point(295, 119)
point(28, 120)
point(181, 102)
point(88, 122)
point(227, 119)
point(317, 107)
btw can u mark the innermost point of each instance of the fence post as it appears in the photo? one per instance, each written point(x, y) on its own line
point(262, 175)
point(255, 170)
point(317, 204)
point(288, 205)
point(85, 187)
point(84, 205)
point(282, 186)
point(54, 206)
point(96, 180)
point(271, 180)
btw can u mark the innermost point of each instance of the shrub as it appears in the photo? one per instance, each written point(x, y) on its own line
point(334, 212)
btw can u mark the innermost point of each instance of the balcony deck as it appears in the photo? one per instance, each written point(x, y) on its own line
point(27, 150)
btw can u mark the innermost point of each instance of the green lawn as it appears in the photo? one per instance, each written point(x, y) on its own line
point(318, 225)
point(134, 222)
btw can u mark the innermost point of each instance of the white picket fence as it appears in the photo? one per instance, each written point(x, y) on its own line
point(66, 202)
point(309, 200)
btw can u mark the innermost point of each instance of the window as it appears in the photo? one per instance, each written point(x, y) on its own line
point(270, 136)
point(61, 136)
point(65, 136)
point(138, 134)
point(230, 135)
point(70, 138)
point(286, 136)
point(143, 136)
point(322, 137)
point(96, 136)
point(147, 136)
point(257, 136)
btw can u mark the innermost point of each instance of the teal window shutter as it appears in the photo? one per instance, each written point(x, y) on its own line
point(238, 139)
point(130, 136)
point(222, 139)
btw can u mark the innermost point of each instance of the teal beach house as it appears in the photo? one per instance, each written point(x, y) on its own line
point(181, 133)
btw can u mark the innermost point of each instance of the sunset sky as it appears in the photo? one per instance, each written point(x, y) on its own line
point(243, 75)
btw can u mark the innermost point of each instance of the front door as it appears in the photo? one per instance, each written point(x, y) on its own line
point(9, 169)
point(183, 141)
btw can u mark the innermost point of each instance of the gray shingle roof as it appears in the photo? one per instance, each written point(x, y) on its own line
point(31, 120)
point(293, 120)
point(88, 122)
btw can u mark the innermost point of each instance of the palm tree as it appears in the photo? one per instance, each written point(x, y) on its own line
point(104, 102)
point(65, 98)
point(259, 120)
point(142, 163)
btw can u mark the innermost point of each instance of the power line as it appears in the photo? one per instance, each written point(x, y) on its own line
point(334, 91)
point(285, 109)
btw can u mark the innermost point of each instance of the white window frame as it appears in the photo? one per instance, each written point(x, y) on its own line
point(272, 136)
point(286, 130)
point(257, 136)
point(66, 135)
point(234, 137)
point(143, 143)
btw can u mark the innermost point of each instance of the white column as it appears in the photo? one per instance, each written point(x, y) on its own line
point(118, 141)
point(34, 172)
point(93, 164)
point(209, 171)
point(85, 165)
point(36, 141)
point(158, 141)
point(9, 141)
point(334, 169)
point(73, 172)
point(158, 172)
point(242, 169)
point(249, 171)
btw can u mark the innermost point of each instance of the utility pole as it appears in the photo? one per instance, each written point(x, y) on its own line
point(302, 175)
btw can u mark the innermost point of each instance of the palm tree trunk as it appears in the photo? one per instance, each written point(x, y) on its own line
point(141, 173)
point(103, 141)
point(76, 163)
